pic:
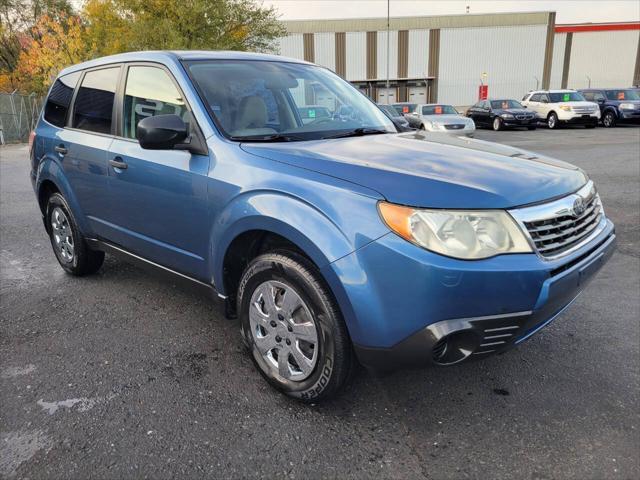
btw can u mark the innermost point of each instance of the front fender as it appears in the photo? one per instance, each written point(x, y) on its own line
point(50, 170)
point(288, 216)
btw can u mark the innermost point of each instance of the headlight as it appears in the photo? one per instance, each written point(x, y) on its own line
point(627, 106)
point(566, 108)
point(464, 234)
point(436, 125)
point(506, 115)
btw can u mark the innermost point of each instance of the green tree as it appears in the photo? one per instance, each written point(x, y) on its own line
point(184, 25)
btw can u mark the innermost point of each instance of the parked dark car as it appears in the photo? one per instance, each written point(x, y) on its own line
point(502, 113)
point(397, 118)
point(617, 105)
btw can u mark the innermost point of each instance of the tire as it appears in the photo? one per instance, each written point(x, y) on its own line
point(422, 127)
point(552, 120)
point(68, 244)
point(609, 119)
point(269, 326)
point(497, 124)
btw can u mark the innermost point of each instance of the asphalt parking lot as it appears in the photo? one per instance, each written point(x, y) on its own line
point(123, 374)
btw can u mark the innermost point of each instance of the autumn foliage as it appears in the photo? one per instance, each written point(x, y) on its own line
point(40, 37)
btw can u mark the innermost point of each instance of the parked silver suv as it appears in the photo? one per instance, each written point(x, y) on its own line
point(558, 107)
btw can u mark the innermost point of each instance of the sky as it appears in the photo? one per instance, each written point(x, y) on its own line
point(567, 11)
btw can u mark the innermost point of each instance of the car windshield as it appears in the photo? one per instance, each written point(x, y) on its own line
point(505, 104)
point(390, 111)
point(626, 94)
point(403, 108)
point(439, 110)
point(279, 101)
point(566, 97)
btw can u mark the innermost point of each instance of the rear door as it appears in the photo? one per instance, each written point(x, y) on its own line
point(158, 203)
point(84, 144)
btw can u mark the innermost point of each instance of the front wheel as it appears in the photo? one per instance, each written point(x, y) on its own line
point(69, 246)
point(497, 124)
point(293, 327)
point(609, 120)
point(552, 120)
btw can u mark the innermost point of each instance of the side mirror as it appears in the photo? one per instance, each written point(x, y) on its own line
point(600, 101)
point(161, 132)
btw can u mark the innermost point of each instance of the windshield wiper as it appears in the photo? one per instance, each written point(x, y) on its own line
point(276, 137)
point(358, 132)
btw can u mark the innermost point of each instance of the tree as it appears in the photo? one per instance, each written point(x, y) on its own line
point(56, 43)
point(185, 25)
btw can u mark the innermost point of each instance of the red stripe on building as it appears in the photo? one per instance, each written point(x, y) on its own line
point(597, 27)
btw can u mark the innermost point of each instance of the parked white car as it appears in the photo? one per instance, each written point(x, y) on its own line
point(434, 117)
point(556, 107)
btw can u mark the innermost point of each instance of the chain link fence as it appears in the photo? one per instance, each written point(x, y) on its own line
point(18, 116)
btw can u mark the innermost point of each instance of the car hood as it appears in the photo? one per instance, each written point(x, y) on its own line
point(579, 104)
point(432, 169)
point(514, 111)
point(446, 118)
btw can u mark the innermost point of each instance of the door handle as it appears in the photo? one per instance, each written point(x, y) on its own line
point(60, 149)
point(118, 163)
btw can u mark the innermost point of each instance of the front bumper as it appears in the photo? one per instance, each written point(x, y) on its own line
point(571, 118)
point(411, 307)
point(514, 122)
point(629, 116)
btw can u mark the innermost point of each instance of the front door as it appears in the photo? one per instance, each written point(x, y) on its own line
point(158, 198)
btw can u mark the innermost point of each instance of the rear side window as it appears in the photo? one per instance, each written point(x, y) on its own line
point(57, 106)
point(93, 107)
point(150, 92)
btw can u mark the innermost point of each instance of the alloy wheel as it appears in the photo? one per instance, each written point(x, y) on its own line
point(62, 235)
point(283, 330)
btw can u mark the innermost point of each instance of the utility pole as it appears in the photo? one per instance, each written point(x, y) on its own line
point(388, 44)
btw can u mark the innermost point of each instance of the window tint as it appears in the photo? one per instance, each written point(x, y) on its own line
point(93, 107)
point(150, 92)
point(55, 110)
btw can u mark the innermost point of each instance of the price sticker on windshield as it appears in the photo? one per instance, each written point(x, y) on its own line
point(438, 110)
point(620, 95)
point(312, 114)
point(566, 97)
point(505, 105)
point(405, 109)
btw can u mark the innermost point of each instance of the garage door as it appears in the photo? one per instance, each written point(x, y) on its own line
point(417, 94)
point(386, 96)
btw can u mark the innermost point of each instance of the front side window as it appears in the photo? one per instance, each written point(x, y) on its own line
point(150, 91)
point(403, 108)
point(93, 107)
point(259, 101)
point(557, 97)
point(535, 97)
point(626, 94)
point(55, 110)
point(439, 110)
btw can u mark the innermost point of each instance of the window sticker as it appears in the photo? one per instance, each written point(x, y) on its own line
point(312, 114)
point(405, 109)
point(438, 110)
point(566, 97)
point(505, 105)
point(620, 95)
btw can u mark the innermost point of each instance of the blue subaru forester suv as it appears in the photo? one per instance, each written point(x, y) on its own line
point(333, 240)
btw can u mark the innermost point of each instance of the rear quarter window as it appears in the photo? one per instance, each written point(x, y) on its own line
point(93, 107)
point(59, 99)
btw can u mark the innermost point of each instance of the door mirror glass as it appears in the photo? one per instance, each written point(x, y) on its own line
point(161, 132)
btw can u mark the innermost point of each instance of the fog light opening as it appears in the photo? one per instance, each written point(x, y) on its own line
point(455, 347)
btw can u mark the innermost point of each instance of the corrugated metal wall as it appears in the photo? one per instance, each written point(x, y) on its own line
point(607, 57)
point(555, 81)
point(511, 56)
point(382, 54)
point(418, 53)
point(291, 46)
point(325, 49)
point(356, 53)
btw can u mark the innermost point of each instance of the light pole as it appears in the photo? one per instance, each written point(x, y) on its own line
point(388, 44)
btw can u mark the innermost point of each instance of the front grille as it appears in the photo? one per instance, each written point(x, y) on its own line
point(524, 117)
point(553, 236)
point(584, 109)
point(454, 126)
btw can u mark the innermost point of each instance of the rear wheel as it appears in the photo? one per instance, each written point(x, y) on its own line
point(552, 120)
point(68, 244)
point(293, 328)
point(609, 119)
point(497, 124)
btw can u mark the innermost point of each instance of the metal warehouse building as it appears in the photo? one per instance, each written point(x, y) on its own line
point(444, 59)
